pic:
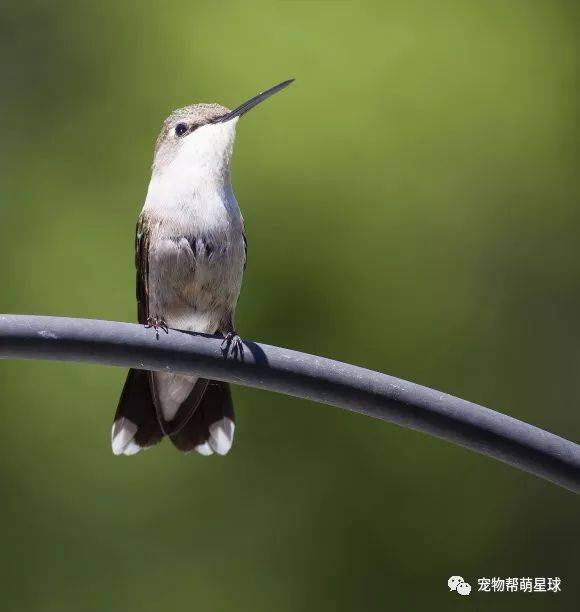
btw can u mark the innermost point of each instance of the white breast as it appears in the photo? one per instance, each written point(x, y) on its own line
point(196, 253)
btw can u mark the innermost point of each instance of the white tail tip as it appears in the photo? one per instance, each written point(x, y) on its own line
point(221, 435)
point(122, 436)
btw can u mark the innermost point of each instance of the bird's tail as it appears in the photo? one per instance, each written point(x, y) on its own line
point(204, 424)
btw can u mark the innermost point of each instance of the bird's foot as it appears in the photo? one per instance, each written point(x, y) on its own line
point(156, 324)
point(233, 345)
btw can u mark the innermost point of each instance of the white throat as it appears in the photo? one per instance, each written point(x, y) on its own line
point(193, 180)
point(198, 165)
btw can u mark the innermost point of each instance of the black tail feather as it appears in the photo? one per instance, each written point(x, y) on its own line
point(136, 425)
point(211, 427)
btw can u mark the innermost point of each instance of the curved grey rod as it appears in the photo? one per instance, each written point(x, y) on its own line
point(308, 376)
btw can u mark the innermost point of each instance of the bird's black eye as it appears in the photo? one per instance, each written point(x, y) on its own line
point(180, 129)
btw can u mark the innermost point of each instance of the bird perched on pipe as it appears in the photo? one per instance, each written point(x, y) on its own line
point(190, 255)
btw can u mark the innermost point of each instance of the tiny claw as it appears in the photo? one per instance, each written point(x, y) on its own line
point(156, 324)
point(232, 344)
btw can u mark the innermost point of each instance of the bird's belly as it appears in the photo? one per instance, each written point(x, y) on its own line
point(194, 283)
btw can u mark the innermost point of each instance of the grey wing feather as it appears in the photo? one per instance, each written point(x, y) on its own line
point(142, 269)
point(245, 249)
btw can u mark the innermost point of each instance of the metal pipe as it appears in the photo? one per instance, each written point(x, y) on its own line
point(307, 376)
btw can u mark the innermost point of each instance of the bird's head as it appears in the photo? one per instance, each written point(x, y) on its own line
point(200, 138)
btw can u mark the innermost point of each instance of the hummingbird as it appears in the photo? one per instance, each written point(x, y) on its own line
point(190, 256)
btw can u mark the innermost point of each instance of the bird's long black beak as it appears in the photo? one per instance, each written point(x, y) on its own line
point(246, 106)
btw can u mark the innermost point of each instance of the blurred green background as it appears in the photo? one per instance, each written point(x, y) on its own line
point(411, 206)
